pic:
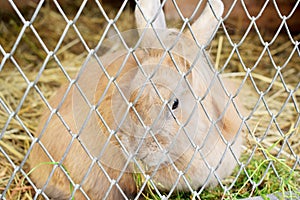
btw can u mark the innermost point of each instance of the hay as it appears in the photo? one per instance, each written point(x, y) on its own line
point(50, 25)
point(275, 98)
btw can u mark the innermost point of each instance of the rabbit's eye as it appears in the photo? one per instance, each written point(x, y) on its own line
point(175, 104)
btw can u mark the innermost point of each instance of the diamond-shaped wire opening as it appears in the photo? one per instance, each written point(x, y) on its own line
point(17, 19)
point(236, 18)
point(57, 31)
point(17, 175)
point(288, 12)
point(121, 13)
point(83, 25)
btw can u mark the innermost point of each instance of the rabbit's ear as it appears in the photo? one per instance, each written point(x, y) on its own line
point(205, 26)
point(149, 11)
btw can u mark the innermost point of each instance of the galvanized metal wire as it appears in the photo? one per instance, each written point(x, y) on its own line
point(292, 95)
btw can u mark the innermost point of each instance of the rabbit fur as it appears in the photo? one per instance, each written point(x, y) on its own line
point(169, 121)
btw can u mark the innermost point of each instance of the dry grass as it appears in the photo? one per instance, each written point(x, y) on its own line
point(14, 139)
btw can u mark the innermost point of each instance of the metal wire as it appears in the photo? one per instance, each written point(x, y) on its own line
point(181, 176)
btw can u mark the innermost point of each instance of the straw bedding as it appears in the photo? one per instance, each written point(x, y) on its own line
point(50, 25)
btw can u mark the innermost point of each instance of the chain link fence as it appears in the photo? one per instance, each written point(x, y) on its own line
point(101, 101)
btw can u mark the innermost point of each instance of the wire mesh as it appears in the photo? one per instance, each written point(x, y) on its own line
point(115, 162)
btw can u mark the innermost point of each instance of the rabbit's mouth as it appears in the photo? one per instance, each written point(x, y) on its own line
point(155, 160)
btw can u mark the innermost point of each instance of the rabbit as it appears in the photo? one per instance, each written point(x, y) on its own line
point(168, 117)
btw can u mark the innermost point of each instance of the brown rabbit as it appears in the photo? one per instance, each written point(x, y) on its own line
point(163, 114)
